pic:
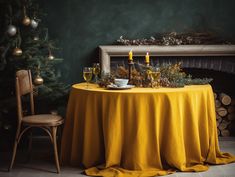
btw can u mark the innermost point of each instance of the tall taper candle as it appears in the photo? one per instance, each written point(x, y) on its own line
point(147, 57)
point(131, 56)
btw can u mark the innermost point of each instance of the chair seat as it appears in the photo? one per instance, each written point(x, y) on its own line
point(43, 120)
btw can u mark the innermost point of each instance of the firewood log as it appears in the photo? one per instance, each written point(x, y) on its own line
point(218, 116)
point(219, 120)
point(223, 125)
point(215, 95)
point(218, 132)
point(221, 111)
point(217, 103)
point(217, 123)
point(225, 99)
point(225, 132)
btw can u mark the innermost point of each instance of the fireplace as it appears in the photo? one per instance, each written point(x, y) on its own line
point(218, 57)
point(212, 61)
point(198, 60)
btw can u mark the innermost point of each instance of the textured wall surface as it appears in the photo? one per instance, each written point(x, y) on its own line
point(82, 25)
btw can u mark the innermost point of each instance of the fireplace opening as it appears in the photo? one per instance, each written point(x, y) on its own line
point(222, 81)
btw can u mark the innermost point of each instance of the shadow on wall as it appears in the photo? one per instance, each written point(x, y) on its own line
point(81, 26)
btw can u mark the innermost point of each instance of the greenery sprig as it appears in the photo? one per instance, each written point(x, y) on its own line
point(171, 75)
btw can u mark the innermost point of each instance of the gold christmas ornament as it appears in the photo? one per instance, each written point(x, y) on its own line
point(17, 51)
point(51, 57)
point(38, 80)
point(26, 21)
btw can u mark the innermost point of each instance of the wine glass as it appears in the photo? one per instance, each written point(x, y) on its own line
point(87, 75)
point(155, 76)
point(96, 71)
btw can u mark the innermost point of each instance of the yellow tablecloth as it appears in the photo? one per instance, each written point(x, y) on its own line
point(141, 131)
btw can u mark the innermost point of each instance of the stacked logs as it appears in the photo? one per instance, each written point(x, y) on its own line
point(225, 114)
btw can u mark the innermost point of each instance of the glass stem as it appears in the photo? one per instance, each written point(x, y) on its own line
point(96, 79)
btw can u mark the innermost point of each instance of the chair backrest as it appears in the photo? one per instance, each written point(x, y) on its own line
point(24, 86)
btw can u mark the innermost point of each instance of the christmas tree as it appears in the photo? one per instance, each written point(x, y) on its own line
point(25, 44)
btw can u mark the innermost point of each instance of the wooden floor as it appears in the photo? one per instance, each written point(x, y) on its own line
point(42, 165)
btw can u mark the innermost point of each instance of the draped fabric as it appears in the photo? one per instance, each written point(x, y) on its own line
point(141, 131)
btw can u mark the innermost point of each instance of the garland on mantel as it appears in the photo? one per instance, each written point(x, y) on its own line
point(171, 75)
point(175, 38)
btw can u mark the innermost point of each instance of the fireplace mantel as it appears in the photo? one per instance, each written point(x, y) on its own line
point(106, 52)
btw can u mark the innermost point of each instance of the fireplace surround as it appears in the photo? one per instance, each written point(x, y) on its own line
point(214, 57)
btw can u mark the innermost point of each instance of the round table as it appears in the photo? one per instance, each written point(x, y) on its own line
point(141, 131)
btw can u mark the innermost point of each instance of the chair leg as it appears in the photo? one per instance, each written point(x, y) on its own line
point(54, 129)
point(59, 135)
point(15, 147)
point(30, 145)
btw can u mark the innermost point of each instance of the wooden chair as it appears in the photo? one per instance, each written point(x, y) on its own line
point(47, 122)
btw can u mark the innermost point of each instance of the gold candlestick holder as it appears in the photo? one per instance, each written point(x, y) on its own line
point(130, 66)
point(148, 78)
point(147, 64)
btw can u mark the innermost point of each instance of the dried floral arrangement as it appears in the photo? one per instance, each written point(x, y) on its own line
point(171, 75)
point(175, 38)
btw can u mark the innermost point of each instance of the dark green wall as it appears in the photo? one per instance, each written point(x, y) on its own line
point(82, 25)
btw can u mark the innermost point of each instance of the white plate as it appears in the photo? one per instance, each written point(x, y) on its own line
point(115, 87)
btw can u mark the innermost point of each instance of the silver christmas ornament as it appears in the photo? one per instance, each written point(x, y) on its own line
point(34, 23)
point(11, 30)
point(7, 126)
point(51, 57)
point(36, 38)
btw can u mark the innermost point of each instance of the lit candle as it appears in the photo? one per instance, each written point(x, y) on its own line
point(131, 56)
point(147, 57)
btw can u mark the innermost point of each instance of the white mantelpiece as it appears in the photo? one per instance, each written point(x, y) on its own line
point(106, 52)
